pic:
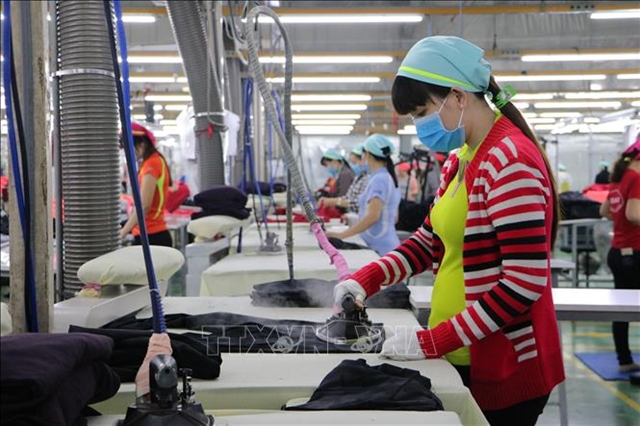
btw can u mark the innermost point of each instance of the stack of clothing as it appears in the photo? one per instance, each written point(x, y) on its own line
point(315, 293)
point(222, 200)
point(354, 385)
point(265, 188)
point(49, 379)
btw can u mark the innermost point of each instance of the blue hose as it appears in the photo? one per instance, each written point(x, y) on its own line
point(124, 101)
point(30, 288)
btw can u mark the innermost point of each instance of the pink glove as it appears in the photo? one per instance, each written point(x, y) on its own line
point(159, 344)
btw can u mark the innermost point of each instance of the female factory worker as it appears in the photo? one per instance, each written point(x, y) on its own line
point(340, 174)
point(623, 207)
point(154, 180)
point(408, 184)
point(489, 236)
point(351, 199)
point(379, 202)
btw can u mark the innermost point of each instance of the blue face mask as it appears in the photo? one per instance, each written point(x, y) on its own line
point(356, 169)
point(432, 133)
point(332, 171)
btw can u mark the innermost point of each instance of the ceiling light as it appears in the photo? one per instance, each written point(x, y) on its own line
point(139, 116)
point(181, 80)
point(601, 95)
point(345, 19)
point(323, 122)
point(635, 103)
point(331, 107)
point(152, 80)
point(137, 59)
point(168, 98)
point(541, 120)
point(595, 86)
point(157, 107)
point(560, 114)
point(346, 59)
point(578, 105)
point(550, 77)
point(327, 80)
point(175, 107)
point(534, 96)
point(158, 117)
point(529, 114)
point(628, 76)
point(328, 98)
point(324, 127)
point(410, 127)
point(630, 56)
point(617, 14)
point(325, 116)
point(521, 105)
point(544, 126)
point(138, 19)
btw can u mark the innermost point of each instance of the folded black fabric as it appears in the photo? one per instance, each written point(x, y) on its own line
point(238, 212)
point(233, 333)
point(220, 195)
point(345, 245)
point(354, 385)
point(316, 293)
point(189, 350)
point(48, 379)
point(265, 188)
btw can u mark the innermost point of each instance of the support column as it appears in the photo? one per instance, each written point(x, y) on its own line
point(30, 50)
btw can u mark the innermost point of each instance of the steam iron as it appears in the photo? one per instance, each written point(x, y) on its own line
point(166, 407)
point(350, 327)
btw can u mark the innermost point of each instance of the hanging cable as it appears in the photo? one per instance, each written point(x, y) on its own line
point(124, 102)
point(19, 175)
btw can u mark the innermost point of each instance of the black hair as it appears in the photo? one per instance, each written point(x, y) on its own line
point(621, 166)
point(388, 163)
point(408, 94)
point(147, 149)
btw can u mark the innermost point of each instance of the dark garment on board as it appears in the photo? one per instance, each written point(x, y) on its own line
point(354, 385)
point(604, 177)
point(411, 215)
point(222, 332)
point(575, 205)
point(316, 293)
point(131, 347)
point(345, 245)
point(222, 200)
point(49, 379)
point(265, 188)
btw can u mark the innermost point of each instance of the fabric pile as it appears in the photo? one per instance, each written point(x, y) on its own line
point(315, 293)
point(221, 200)
point(265, 188)
point(49, 379)
point(221, 332)
point(355, 385)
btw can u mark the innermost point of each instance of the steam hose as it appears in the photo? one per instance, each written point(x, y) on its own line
point(124, 101)
point(19, 168)
point(285, 136)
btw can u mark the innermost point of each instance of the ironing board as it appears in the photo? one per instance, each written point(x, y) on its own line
point(237, 274)
point(267, 381)
point(399, 418)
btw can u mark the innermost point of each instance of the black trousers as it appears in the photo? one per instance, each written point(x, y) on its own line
point(524, 413)
point(626, 275)
point(159, 239)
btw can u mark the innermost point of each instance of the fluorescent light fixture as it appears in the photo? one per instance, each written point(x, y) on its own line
point(602, 95)
point(529, 114)
point(630, 56)
point(138, 19)
point(595, 86)
point(323, 122)
point(533, 96)
point(325, 116)
point(152, 80)
point(137, 59)
point(591, 120)
point(617, 14)
point(406, 132)
point(578, 105)
point(324, 127)
point(168, 122)
point(560, 114)
point(410, 127)
point(157, 107)
point(521, 105)
point(544, 126)
point(628, 76)
point(346, 59)
point(331, 107)
point(168, 98)
point(327, 80)
point(181, 80)
point(635, 103)
point(175, 107)
point(330, 98)
point(541, 120)
point(551, 77)
point(139, 116)
point(345, 19)
point(158, 117)
point(324, 132)
point(49, 17)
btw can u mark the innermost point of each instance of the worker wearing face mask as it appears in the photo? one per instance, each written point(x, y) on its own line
point(349, 202)
point(488, 237)
point(340, 174)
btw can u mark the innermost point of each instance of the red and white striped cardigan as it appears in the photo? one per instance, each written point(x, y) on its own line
point(509, 322)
